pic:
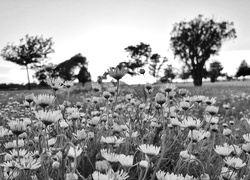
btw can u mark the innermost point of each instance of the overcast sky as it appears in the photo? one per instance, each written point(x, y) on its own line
point(101, 29)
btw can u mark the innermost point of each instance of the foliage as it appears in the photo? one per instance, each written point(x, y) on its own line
point(215, 70)
point(185, 73)
point(243, 69)
point(155, 65)
point(169, 74)
point(74, 68)
point(138, 57)
point(32, 50)
point(195, 41)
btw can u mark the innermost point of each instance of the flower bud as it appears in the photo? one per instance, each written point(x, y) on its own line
point(160, 99)
point(205, 177)
point(142, 71)
point(55, 165)
point(71, 176)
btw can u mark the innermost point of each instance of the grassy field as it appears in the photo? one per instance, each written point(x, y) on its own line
point(135, 129)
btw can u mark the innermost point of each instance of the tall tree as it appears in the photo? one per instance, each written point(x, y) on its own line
point(138, 57)
point(30, 53)
point(215, 70)
point(195, 41)
point(243, 70)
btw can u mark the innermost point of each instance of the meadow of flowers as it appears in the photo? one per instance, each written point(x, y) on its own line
point(158, 132)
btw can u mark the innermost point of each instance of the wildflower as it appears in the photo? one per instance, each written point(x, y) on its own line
point(55, 165)
point(26, 104)
point(149, 149)
point(144, 163)
point(133, 134)
point(71, 176)
point(227, 173)
point(28, 163)
point(235, 163)
point(212, 110)
point(191, 123)
point(29, 98)
point(227, 132)
point(214, 128)
point(80, 134)
point(55, 83)
point(226, 106)
point(94, 121)
point(197, 135)
point(167, 176)
point(111, 157)
point(160, 98)
point(236, 150)
point(171, 94)
point(126, 161)
point(168, 87)
point(44, 100)
point(9, 164)
point(246, 147)
point(99, 176)
point(3, 131)
point(205, 177)
point(209, 101)
point(10, 174)
point(74, 151)
point(214, 120)
point(68, 84)
point(102, 166)
point(185, 155)
point(184, 105)
point(17, 127)
point(183, 92)
point(175, 122)
point(223, 151)
point(48, 117)
point(95, 100)
point(117, 73)
point(247, 137)
point(149, 86)
point(120, 175)
point(106, 94)
point(198, 98)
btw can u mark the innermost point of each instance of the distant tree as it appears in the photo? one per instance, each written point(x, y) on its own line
point(185, 73)
point(196, 40)
point(169, 74)
point(138, 57)
point(155, 64)
point(243, 70)
point(215, 70)
point(74, 68)
point(30, 53)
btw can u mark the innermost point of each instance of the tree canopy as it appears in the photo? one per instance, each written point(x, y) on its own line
point(215, 70)
point(32, 50)
point(195, 41)
point(74, 68)
point(243, 70)
point(138, 57)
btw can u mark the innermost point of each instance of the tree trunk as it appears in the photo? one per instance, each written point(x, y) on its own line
point(197, 76)
point(27, 69)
